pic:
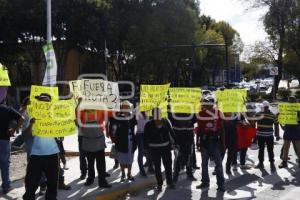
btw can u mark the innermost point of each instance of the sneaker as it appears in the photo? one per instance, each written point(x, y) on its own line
point(123, 178)
point(172, 186)
point(221, 188)
point(104, 185)
point(82, 177)
point(260, 166)
point(42, 190)
point(272, 166)
point(89, 182)
point(202, 186)
point(283, 165)
point(130, 178)
point(64, 187)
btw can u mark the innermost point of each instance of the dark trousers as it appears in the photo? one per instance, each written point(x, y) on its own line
point(243, 153)
point(231, 157)
point(194, 159)
point(262, 141)
point(82, 157)
point(49, 165)
point(99, 157)
point(140, 145)
point(212, 148)
point(164, 154)
point(184, 159)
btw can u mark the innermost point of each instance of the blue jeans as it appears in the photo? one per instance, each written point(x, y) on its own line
point(4, 163)
point(140, 145)
point(212, 149)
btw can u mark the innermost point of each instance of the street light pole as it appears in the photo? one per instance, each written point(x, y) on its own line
point(49, 21)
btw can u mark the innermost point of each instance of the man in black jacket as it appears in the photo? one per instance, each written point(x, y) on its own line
point(159, 138)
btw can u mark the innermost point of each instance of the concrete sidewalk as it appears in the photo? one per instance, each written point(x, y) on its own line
point(79, 191)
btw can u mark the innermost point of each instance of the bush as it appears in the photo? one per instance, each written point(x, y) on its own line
point(283, 94)
point(268, 97)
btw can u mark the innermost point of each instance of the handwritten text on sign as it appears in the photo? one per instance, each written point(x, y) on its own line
point(4, 78)
point(96, 94)
point(185, 100)
point(152, 96)
point(232, 100)
point(288, 113)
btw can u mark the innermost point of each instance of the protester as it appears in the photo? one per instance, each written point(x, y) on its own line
point(265, 134)
point(125, 139)
point(7, 115)
point(142, 119)
point(291, 134)
point(183, 126)
point(159, 138)
point(82, 156)
point(210, 130)
point(44, 158)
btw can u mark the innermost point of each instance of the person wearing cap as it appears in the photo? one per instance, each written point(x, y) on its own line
point(266, 124)
point(159, 139)
point(212, 143)
point(7, 115)
point(290, 134)
point(125, 139)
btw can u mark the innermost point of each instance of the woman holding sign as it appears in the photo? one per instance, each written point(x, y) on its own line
point(125, 139)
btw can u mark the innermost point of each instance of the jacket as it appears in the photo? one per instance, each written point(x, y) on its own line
point(125, 127)
point(155, 137)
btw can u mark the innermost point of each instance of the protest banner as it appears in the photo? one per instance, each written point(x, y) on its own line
point(53, 119)
point(38, 90)
point(185, 100)
point(152, 96)
point(75, 89)
point(232, 100)
point(288, 113)
point(4, 78)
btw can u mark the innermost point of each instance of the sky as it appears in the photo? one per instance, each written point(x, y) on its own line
point(246, 21)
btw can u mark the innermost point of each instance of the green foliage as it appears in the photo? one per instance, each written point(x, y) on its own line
point(283, 93)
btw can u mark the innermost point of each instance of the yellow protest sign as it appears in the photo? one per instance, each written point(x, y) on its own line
point(232, 100)
point(4, 78)
point(288, 113)
point(185, 100)
point(37, 90)
point(152, 96)
point(53, 119)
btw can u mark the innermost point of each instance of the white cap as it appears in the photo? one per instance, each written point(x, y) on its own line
point(265, 104)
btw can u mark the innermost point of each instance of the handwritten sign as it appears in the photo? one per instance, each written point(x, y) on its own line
point(232, 100)
point(4, 78)
point(53, 119)
point(288, 113)
point(38, 90)
point(152, 96)
point(185, 100)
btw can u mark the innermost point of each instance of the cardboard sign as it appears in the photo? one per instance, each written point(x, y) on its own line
point(4, 78)
point(288, 113)
point(152, 96)
point(232, 100)
point(185, 100)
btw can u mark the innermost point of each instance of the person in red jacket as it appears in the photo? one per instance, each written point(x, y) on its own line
point(210, 130)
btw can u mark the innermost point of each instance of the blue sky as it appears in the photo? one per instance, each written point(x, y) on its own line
point(246, 21)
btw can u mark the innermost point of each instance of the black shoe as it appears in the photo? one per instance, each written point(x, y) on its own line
point(196, 167)
point(228, 172)
point(123, 178)
point(143, 174)
point(64, 187)
point(89, 182)
point(221, 188)
point(130, 178)
point(82, 177)
point(272, 166)
point(172, 186)
point(283, 165)
point(202, 186)
point(260, 166)
point(192, 178)
point(107, 174)
point(104, 185)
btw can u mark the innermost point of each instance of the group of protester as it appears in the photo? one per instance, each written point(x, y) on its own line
point(155, 138)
